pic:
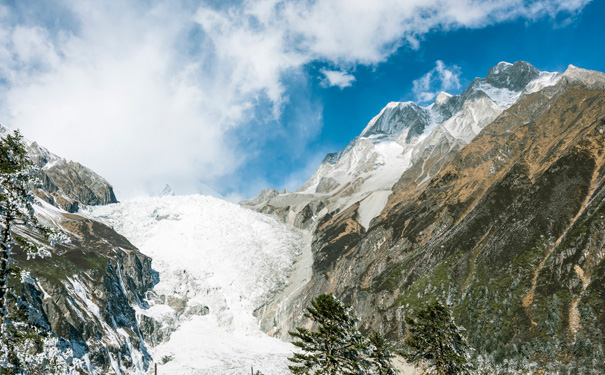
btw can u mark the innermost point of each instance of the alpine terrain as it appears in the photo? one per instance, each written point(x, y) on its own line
point(491, 201)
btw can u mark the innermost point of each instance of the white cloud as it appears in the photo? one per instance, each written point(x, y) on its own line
point(440, 78)
point(337, 78)
point(150, 92)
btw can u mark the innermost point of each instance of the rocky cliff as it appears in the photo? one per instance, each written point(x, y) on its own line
point(76, 301)
point(64, 183)
point(83, 294)
point(68, 184)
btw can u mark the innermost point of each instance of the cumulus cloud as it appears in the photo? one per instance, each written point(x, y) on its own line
point(150, 91)
point(337, 78)
point(440, 78)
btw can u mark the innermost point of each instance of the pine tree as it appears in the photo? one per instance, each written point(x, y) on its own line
point(17, 175)
point(336, 347)
point(436, 340)
point(381, 355)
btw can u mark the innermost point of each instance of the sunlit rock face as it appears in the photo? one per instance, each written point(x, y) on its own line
point(496, 210)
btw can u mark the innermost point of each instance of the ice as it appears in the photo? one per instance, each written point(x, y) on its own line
point(371, 206)
point(544, 80)
point(217, 254)
point(504, 97)
point(82, 293)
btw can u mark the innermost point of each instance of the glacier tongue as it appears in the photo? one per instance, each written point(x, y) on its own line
point(217, 263)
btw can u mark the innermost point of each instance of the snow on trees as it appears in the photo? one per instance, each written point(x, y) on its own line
point(17, 175)
point(435, 340)
point(337, 347)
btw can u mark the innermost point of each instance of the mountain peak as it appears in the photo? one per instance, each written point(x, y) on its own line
point(167, 190)
point(512, 76)
point(442, 98)
point(592, 78)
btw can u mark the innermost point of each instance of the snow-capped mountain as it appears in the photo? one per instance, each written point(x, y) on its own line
point(464, 199)
point(401, 135)
point(496, 208)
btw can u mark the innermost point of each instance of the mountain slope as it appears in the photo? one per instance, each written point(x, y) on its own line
point(80, 295)
point(400, 136)
point(507, 229)
point(64, 183)
point(76, 299)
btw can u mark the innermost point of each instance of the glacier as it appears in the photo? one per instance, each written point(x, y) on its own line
point(218, 264)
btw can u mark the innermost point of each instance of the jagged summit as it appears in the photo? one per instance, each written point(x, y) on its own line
point(442, 98)
point(591, 78)
point(406, 135)
point(396, 118)
point(512, 76)
point(167, 191)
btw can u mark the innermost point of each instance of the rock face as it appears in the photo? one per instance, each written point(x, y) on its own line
point(85, 294)
point(514, 77)
point(505, 225)
point(81, 298)
point(67, 184)
point(403, 136)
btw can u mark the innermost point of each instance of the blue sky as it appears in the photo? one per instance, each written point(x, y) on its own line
point(240, 96)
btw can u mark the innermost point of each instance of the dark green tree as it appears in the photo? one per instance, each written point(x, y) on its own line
point(381, 355)
point(19, 338)
point(15, 209)
point(435, 340)
point(336, 347)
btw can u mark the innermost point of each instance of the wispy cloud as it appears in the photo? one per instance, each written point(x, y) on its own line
point(149, 92)
point(337, 78)
point(440, 78)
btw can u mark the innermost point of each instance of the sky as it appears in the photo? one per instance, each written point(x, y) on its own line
point(237, 96)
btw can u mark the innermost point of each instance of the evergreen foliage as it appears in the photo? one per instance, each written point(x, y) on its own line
point(381, 355)
point(337, 347)
point(22, 341)
point(435, 340)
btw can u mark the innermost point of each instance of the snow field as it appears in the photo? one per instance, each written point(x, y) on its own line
point(210, 253)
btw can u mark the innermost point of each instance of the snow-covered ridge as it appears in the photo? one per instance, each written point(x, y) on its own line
point(368, 167)
point(218, 263)
point(463, 116)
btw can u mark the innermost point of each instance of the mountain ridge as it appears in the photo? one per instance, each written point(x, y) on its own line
point(506, 227)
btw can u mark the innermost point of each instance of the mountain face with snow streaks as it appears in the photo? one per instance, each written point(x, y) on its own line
point(498, 212)
point(398, 138)
point(64, 183)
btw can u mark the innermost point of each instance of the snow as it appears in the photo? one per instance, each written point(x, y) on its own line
point(472, 118)
point(442, 98)
point(372, 205)
point(211, 253)
point(504, 97)
point(82, 293)
point(202, 347)
point(544, 80)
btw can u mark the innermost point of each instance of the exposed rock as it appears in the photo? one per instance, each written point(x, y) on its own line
point(67, 184)
point(85, 292)
point(514, 77)
point(500, 217)
point(326, 185)
point(509, 230)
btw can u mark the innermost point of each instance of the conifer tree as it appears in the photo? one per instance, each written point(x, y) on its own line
point(436, 340)
point(336, 347)
point(381, 355)
point(17, 175)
